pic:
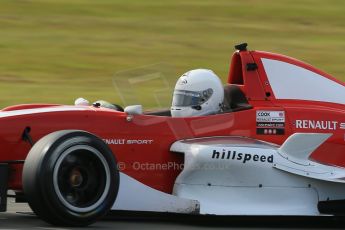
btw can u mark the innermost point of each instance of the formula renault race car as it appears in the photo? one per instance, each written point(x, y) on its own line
point(278, 149)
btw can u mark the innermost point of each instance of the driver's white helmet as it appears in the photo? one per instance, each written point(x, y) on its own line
point(198, 92)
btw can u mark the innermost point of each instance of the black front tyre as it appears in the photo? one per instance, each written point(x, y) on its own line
point(70, 178)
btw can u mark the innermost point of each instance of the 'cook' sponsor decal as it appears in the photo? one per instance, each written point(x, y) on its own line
point(270, 122)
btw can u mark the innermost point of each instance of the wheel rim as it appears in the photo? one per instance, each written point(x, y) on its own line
point(81, 178)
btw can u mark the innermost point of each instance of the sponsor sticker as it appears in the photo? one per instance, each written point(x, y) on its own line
point(127, 142)
point(242, 157)
point(319, 124)
point(270, 116)
point(270, 122)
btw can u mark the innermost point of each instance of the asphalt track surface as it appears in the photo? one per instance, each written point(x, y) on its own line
point(19, 216)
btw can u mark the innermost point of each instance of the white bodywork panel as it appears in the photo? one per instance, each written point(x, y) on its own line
point(299, 146)
point(242, 176)
point(310, 86)
point(135, 196)
point(239, 200)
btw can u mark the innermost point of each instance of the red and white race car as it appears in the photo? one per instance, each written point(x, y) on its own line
point(279, 149)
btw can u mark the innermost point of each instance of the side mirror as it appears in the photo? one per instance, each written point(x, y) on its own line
point(134, 109)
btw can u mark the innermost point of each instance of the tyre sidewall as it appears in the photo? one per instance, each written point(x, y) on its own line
point(50, 151)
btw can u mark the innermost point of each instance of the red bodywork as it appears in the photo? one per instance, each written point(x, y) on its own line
point(150, 161)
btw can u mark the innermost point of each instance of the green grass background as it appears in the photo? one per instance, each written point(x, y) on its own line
point(57, 50)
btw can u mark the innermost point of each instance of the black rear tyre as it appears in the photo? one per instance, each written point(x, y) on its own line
point(70, 178)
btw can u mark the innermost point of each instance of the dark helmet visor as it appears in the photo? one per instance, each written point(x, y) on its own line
point(191, 98)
